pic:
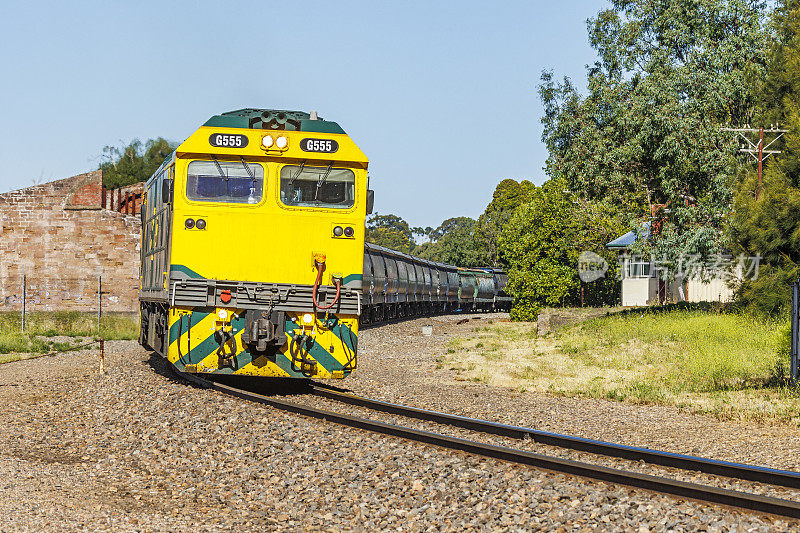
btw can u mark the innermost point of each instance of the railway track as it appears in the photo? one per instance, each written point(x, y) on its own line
point(703, 493)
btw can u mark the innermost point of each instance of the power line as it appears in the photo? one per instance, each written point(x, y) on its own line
point(757, 149)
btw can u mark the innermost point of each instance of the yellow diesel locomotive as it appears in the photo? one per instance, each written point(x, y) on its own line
point(253, 246)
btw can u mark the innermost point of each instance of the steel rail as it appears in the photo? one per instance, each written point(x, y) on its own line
point(703, 493)
point(784, 478)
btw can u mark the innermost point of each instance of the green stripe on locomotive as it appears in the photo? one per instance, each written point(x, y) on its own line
point(194, 354)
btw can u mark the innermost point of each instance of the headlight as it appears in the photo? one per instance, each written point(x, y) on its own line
point(308, 318)
point(267, 141)
point(338, 231)
point(200, 224)
point(281, 142)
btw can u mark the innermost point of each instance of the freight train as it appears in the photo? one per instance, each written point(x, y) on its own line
point(397, 285)
point(253, 256)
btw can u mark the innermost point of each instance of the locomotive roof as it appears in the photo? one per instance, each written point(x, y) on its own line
point(273, 119)
point(250, 127)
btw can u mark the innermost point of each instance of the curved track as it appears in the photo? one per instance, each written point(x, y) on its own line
point(783, 478)
point(704, 493)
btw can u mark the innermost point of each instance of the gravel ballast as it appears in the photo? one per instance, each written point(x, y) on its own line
point(138, 450)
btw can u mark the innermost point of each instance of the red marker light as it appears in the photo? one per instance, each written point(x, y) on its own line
point(225, 296)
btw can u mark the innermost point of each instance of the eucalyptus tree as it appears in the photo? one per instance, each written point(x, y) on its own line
point(508, 195)
point(647, 136)
point(390, 231)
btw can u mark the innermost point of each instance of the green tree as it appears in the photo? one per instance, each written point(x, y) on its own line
point(779, 90)
point(134, 162)
point(770, 226)
point(453, 243)
point(542, 242)
point(647, 136)
point(508, 195)
point(390, 231)
point(538, 244)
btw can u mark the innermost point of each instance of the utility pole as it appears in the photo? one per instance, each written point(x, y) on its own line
point(760, 159)
point(757, 150)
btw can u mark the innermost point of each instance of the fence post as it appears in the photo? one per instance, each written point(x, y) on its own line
point(99, 300)
point(24, 286)
point(102, 356)
point(793, 358)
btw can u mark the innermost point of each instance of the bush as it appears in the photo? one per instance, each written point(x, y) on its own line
point(770, 295)
point(542, 242)
point(135, 162)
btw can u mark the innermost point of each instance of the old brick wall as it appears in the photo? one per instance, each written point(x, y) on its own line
point(59, 236)
point(126, 199)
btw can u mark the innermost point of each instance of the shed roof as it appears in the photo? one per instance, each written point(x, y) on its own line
point(626, 241)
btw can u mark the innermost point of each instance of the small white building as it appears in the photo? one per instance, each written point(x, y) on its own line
point(641, 283)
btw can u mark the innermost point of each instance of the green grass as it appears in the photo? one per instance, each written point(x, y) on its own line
point(726, 364)
point(683, 351)
point(41, 327)
point(17, 343)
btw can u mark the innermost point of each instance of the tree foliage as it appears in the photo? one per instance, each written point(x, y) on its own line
point(508, 195)
point(542, 241)
point(452, 243)
point(770, 226)
point(647, 137)
point(460, 241)
point(390, 231)
point(134, 162)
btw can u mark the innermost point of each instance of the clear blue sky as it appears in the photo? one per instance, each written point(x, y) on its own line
point(441, 96)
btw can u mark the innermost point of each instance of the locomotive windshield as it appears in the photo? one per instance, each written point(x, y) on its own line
point(224, 181)
point(317, 186)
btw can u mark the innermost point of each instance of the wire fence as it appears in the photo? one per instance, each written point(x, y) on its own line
point(98, 295)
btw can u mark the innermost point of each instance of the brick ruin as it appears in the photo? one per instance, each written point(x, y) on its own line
point(61, 236)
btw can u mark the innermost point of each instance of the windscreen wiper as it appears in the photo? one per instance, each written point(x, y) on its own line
point(321, 181)
point(219, 168)
point(249, 171)
point(221, 173)
point(250, 199)
point(297, 174)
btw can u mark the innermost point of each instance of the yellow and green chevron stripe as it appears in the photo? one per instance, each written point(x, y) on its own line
point(194, 343)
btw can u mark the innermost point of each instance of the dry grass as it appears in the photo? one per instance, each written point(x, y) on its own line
point(724, 364)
